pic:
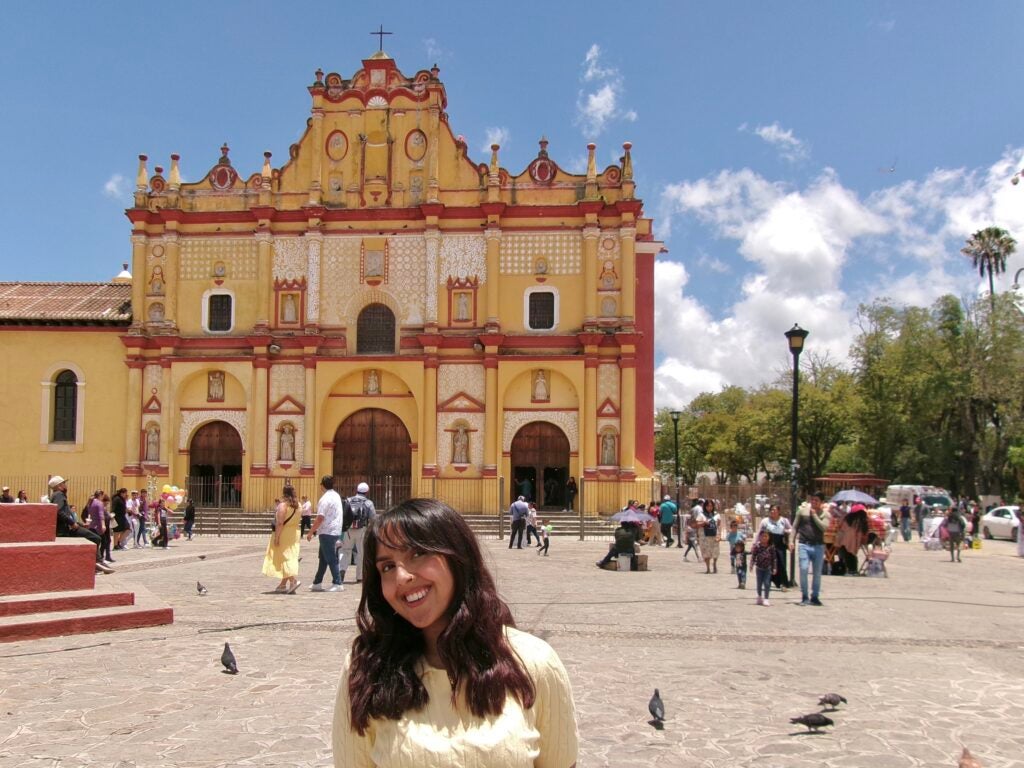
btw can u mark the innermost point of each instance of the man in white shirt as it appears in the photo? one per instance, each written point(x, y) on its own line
point(133, 517)
point(331, 512)
point(306, 511)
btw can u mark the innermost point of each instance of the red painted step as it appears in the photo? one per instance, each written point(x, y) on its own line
point(20, 605)
point(27, 522)
point(47, 566)
point(15, 628)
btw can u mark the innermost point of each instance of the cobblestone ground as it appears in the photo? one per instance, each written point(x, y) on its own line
point(930, 659)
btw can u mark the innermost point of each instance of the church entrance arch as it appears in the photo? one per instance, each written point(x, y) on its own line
point(215, 466)
point(540, 464)
point(372, 446)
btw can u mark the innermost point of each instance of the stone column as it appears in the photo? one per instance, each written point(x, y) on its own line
point(258, 404)
point(492, 438)
point(171, 257)
point(314, 240)
point(133, 432)
point(433, 238)
point(168, 440)
point(139, 278)
point(627, 252)
point(317, 142)
point(309, 452)
point(264, 277)
point(589, 432)
point(433, 185)
point(590, 236)
point(429, 437)
point(493, 235)
point(627, 420)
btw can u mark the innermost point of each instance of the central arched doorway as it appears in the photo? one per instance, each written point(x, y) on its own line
point(215, 466)
point(540, 464)
point(373, 446)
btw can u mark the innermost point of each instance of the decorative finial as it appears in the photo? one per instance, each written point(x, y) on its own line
point(142, 177)
point(174, 181)
point(543, 146)
point(266, 173)
point(319, 76)
point(627, 161)
point(224, 149)
point(435, 71)
point(591, 162)
point(494, 158)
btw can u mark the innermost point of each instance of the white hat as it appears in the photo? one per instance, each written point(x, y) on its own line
point(362, 488)
point(667, 498)
point(55, 481)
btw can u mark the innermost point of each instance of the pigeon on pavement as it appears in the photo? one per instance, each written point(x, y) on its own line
point(202, 557)
point(227, 658)
point(813, 721)
point(200, 588)
point(831, 700)
point(656, 707)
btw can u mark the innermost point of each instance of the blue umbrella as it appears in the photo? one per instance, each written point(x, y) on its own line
point(631, 516)
point(855, 497)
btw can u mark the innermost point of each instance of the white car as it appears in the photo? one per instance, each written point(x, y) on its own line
point(1001, 523)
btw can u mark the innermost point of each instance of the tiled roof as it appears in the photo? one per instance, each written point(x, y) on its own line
point(55, 303)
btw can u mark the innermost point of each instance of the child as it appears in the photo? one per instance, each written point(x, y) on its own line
point(739, 561)
point(544, 537)
point(762, 556)
point(732, 537)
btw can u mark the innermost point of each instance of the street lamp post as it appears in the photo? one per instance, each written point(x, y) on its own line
point(795, 336)
point(675, 454)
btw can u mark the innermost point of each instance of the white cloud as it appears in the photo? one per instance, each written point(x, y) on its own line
point(601, 99)
point(116, 187)
point(810, 255)
point(497, 136)
point(789, 146)
point(433, 49)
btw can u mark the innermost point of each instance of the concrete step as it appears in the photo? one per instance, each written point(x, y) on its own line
point(47, 566)
point(50, 602)
point(105, 619)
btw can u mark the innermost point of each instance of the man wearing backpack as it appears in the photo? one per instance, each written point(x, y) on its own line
point(352, 539)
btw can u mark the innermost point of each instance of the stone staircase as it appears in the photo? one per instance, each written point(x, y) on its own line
point(48, 585)
point(236, 522)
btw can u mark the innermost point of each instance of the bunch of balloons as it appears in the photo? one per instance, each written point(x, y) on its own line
point(172, 496)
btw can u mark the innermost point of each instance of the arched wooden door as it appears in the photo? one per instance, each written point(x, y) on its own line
point(215, 466)
point(540, 464)
point(372, 446)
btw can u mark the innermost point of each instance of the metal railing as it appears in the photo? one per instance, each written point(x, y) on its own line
point(80, 487)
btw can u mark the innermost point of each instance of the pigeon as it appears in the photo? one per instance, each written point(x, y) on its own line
point(813, 721)
point(967, 760)
point(656, 707)
point(831, 701)
point(227, 658)
point(200, 588)
point(202, 557)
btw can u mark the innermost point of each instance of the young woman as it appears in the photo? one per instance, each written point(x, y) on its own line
point(437, 675)
point(282, 558)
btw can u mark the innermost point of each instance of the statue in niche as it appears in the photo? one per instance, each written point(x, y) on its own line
point(608, 449)
point(608, 276)
point(289, 309)
point(372, 383)
point(460, 446)
point(541, 266)
point(215, 387)
point(156, 280)
point(374, 265)
point(462, 307)
point(153, 443)
point(540, 387)
point(286, 443)
point(156, 312)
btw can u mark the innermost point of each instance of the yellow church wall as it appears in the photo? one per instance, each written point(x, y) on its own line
point(39, 354)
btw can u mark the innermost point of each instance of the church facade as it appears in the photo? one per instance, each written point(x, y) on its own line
point(379, 307)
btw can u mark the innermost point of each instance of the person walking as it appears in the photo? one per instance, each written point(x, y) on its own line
point(160, 518)
point(571, 491)
point(363, 512)
point(282, 558)
point(780, 533)
point(119, 511)
point(306, 512)
point(519, 510)
point(142, 535)
point(1020, 530)
point(531, 525)
point(190, 517)
point(905, 513)
point(810, 524)
point(331, 512)
point(545, 537)
point(666, 518)
point(955, 527)
point(655, 537)
point(763, 559)
point(707, 523)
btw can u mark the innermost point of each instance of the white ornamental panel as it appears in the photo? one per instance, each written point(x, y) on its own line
point(463, 256)
point(339, 264)
point(608, 383)
point(561, 253)
point(567, 421)
point(203, 258)
point(452, 379)
point(407, 269)
point(287, 381)
point(289, 258)
point(190, 420)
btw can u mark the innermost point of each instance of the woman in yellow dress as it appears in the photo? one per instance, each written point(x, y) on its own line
point(282, 559)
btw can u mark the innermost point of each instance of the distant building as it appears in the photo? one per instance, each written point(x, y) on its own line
point(379, 307)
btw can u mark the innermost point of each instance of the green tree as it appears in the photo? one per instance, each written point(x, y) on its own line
point(988, 249)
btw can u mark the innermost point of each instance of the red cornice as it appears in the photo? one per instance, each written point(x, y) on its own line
point(64, 328)
point(493, 209)
point(541, 342)
point(590, 339)
point(591, 206)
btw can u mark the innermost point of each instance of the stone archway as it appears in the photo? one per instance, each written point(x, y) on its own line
point(372, 446)
point(215, 465)
point(540, 464)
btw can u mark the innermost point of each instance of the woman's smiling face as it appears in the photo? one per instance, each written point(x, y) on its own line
point(418, 585)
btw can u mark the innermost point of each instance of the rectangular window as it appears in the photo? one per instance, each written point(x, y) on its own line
point(220, 313)
point(542, 311)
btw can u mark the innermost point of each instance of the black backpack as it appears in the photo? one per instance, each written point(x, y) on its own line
point(360, 511)
point(711, 529)
point(346, 515)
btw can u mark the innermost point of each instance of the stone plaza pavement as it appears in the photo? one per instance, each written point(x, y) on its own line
point(930, 659)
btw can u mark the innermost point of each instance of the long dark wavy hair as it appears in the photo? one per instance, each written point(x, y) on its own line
point(383, 682)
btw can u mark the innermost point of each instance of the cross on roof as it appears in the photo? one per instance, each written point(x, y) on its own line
point(380, 33)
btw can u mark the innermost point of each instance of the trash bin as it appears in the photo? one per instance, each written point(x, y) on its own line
point(625, 561)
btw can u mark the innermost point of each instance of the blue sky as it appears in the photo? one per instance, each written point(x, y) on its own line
point(799, 157)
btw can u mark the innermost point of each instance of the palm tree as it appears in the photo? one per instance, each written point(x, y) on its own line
point(988, 250)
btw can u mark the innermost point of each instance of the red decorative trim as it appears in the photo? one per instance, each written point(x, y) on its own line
point(64, 328)
point(241, 410)
point(259, 471)
point(429, 470)
point(447, 404)
point(540, 410)
point(278, 408)
point(375, 397)
point(627, 474)
point(490, 472)
point(152, 405)
point(607, 409)
point(493, 209)
point(132, 471)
